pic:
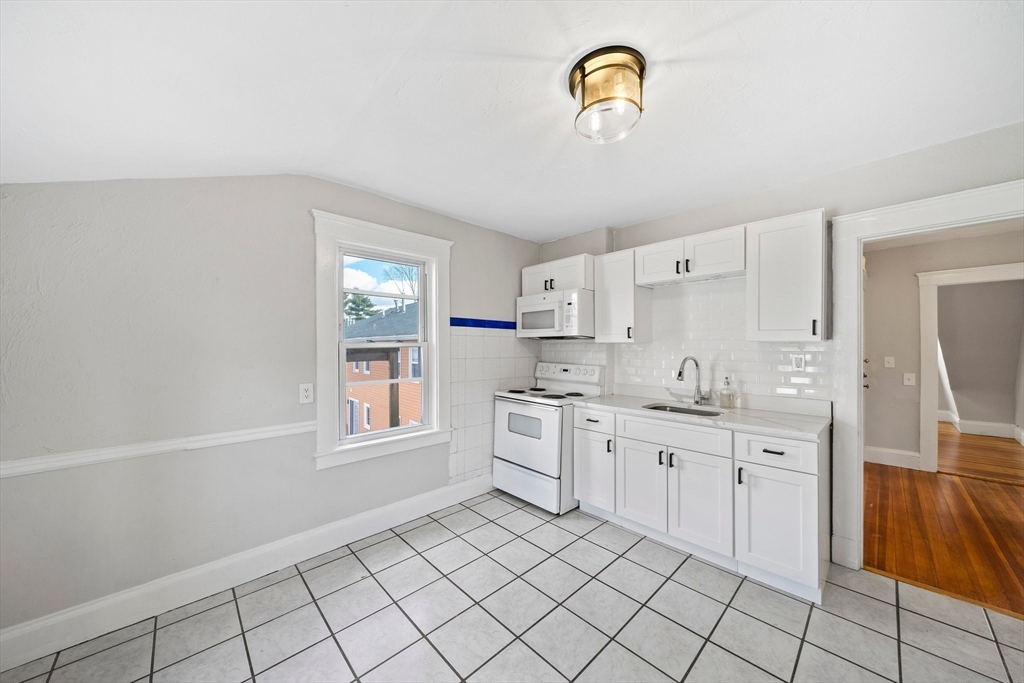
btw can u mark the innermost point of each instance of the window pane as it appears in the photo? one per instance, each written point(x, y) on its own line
point(380, 362)
point(368, 318)
point(385, 406)
point(371, 275)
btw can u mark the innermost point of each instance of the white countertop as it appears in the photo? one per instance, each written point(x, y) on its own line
point(764, 422)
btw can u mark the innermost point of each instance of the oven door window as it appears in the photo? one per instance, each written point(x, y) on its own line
point(525, 425)
point(537, 320)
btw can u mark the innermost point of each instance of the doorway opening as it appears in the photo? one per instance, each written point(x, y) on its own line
point(943, 396)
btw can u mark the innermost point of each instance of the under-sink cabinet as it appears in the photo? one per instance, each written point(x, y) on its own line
point(756, 504)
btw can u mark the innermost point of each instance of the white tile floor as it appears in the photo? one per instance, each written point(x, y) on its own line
point(495, 590)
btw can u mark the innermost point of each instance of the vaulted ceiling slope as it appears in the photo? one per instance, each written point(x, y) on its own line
point(462, 107)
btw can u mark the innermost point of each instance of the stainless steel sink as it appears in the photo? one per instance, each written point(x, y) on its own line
point(669, 408)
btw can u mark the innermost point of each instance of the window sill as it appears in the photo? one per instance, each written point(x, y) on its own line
point(343, 455)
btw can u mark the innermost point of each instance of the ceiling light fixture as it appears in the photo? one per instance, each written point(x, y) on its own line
point(608, 86)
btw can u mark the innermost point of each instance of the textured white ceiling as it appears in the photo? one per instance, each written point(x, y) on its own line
point(462, 107)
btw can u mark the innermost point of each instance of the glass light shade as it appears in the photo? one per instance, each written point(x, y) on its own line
point(607, 85)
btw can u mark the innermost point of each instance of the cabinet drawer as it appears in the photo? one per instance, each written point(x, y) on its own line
point(594, 420)
point(687, 437)
point(800, 456)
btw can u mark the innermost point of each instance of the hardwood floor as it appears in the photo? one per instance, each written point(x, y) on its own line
point(983, 457)
point(961, 535)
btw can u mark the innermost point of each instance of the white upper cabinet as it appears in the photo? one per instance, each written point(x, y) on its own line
point(574, 272)
point(660, 263)
point(622, 311)
point(786, 278)
point(716, 253)
point(696, 257)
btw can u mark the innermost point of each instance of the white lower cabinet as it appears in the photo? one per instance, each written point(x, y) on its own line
point(700, 499)
point(640, 483)
point(594, 468)
point(777, 521)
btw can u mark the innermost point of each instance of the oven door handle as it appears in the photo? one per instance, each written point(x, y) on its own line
point(530, 404)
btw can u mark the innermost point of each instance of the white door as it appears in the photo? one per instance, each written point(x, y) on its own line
point(785, 278)
point(537, 279)
point(528, 434)
point(640, 483)
point(700, 499)
point(660, 263)
point(613, 297)
point(720, 252)
point(777, 521)
point(594, 469)
point(571, 273)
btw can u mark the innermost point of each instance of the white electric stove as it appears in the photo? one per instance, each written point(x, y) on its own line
point(533, 434)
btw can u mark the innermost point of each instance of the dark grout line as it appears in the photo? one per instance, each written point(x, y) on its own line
point(245, 642)
point(152, 656)
point(803, 640)
point(1006, 666)
point(53, 666)
point(333, 636)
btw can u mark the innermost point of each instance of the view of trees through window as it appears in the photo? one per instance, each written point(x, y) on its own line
point(381, 344)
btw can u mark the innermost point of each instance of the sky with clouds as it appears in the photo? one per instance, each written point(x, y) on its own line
point(368, 275)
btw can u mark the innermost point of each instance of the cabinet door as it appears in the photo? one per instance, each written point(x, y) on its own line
point(700, 499)
point(777, 521)
point(575, 272)
point(660, 263)
point(785, 278)
point(535, 279)
point(613, 297)
point(711, 254)
point(594, 469)
point(640, 483)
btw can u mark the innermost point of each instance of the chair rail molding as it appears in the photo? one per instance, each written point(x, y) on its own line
point(849, 233)
point(94, 456)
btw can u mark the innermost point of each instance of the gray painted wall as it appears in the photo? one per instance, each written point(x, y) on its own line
point(892, 327)
point(1019, 388)
point(980, 331)
point(600, 241)
point(141, 310)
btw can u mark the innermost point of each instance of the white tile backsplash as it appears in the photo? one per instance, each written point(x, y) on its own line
point(483, 360)
point(706, 320)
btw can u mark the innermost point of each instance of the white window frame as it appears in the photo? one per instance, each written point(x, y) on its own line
point(366, 416)
point(335, 233)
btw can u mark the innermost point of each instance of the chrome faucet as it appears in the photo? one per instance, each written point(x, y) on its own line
point(698, 397)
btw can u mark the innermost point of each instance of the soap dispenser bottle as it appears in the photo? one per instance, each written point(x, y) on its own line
point(727, 397)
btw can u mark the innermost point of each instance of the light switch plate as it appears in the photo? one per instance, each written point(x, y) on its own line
point(909, 379)
point(798, 363)
point(305, 393)
point(890, 361)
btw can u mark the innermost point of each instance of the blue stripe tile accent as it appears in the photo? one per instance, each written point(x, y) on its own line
point(480, 322)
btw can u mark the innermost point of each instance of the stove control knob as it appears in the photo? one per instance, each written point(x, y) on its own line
point(543, 368)
point(576, 371)
point(590, 372)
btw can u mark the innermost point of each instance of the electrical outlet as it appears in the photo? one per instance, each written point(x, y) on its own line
point(798, 363)
point(305, 393)
point(890, 362)
point(909, 379)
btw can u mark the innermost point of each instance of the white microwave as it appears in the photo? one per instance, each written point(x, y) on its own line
point(564, 314)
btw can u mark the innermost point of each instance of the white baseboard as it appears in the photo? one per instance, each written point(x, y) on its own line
point(1018, 434)
point(846, 552)
point(33, 639)
point(947, 416)
point(891, 456)
point(999, 429)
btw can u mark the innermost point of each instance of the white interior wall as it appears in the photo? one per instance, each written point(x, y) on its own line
point(140, 310)
point(892, 328)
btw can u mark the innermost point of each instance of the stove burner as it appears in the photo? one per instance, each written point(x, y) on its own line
point(516, 391)
point(552, 396)
point(573, 393)
point(538, 389)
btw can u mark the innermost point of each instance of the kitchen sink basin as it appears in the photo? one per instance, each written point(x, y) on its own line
point(683, 410)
